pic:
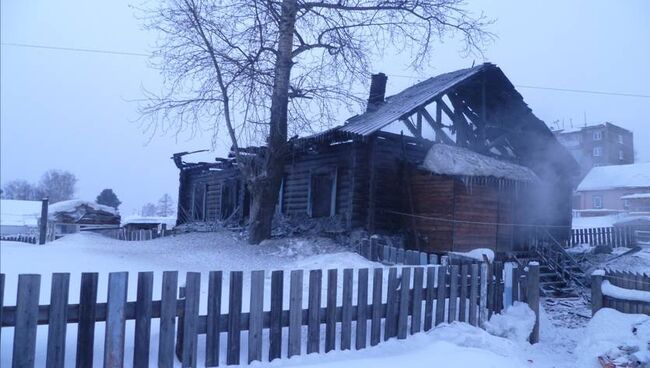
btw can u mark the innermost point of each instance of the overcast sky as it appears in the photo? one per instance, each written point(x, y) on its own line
point(71, 110)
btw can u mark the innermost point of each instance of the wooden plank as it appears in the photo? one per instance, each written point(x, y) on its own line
point(473, 294)
point(498, 281)
point(115, 319)
point(430, 295)
point(167, 319)
point(416, 313)
point(234, 318)
point(375, 324)
point(86, 325)
point(483, 312)
point(362, 309)
point(143, 312)
point(490, 290)
point(441, 295)
point(462, 303)
point(330, 312)
point(346, 309)
point(403, 313)
point(275, 329)
point(24, 347)
point(295, 314)
point(57, 320)
point(390, 321)
point(400, 256)
point(313, 321)
point(453, 293)
point(213, 319)
point(191, 319)
point(256, 317)
point(2, 297)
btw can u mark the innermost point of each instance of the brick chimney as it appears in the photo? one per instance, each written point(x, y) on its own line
point(377, 91)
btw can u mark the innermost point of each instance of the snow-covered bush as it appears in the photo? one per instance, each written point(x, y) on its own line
point(515, 323)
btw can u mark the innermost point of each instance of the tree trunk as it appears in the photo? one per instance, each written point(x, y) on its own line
point(265, 190)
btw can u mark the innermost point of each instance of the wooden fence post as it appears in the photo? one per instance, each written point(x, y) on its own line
point(43, 224)
point(533, 298)
point(596, 291)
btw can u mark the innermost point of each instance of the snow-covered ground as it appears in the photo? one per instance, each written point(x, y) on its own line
point(457, 344)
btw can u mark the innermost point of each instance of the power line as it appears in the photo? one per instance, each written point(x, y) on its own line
point(95, 51)
point(126, 53)
point(554, 89)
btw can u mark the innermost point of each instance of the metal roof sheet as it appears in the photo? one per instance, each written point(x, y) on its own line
point(408, 100)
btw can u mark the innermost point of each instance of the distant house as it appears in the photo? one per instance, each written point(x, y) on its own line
point(453, 163)
point(598, 145)
point(19, 217)
point(615, 188)
point(136, 222)
point(71, 216)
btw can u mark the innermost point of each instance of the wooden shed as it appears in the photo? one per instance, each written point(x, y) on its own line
point(371, 172)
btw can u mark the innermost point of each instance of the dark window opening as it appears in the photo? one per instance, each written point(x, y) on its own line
point(322, 194)
point(198, 206)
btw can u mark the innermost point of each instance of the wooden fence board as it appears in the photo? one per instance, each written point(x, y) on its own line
point(26, 316)
point(362, 309)
point(86, 325)
point(375, 324)
point(213, 319)
point(390, 322)
point(330, 314)
point(275, 330)
point(473, 294)
point(167, 319)
point(295, 313)
point(191, 319)
point(2, 296)
point(453, 293)
point(430, 294)
point(440, 296)
point(483, 312)
point(490, 291)
point(462, 295)
point(115, 320)
point(346, 309)
point(143, 312)
point(403, 313)
point(256, 317)
point(314, 303)
point(416, 314)
point(58, 320)
point(234, 316)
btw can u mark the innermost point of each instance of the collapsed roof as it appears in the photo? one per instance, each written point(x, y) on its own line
point(451, 160)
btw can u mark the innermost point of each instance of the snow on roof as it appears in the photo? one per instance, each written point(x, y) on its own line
point(15, 212)
point(170, 221)
point(636, 196)
point(616, 176)
point(452, 160)
point(73, 204)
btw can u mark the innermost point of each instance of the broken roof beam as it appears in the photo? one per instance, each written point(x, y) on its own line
point(411, 127)
point(464, 132)
point(436, 125)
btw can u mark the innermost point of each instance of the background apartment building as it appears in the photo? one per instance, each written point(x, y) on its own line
point(598, 145)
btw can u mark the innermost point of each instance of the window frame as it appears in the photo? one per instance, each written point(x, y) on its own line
point(333, 171)
point(597, 135)
point(597, 151)
point(599, 199)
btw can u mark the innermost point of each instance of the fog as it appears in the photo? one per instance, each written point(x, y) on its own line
point(75, 111)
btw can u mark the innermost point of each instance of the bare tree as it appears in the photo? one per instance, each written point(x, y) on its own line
point(57, 185)
point(149, 209)
point(20, 189)
point(264, 69)
point(165, 206)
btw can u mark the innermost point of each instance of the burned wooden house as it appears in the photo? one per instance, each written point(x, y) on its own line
point(453, 163)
